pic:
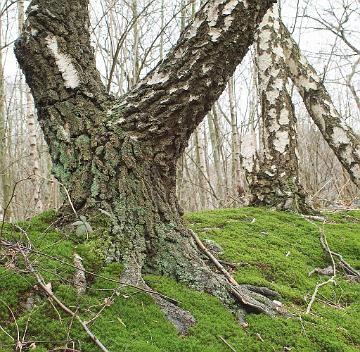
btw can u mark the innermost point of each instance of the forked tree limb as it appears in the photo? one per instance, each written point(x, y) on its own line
point(340, 137)
point(183, 88)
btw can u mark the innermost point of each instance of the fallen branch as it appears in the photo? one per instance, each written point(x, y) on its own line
point(323, 241)
point(243, 293)
point(343, 263)
point(212, 258)
point(79, 275)
point(18, 346)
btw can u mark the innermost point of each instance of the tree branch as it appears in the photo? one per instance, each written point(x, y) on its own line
point(341, 138)
point(56, 38)
point(169, 103)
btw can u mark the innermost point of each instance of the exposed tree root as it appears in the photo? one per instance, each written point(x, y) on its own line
point(192, 270)
point(179, 317)
point(256, 299)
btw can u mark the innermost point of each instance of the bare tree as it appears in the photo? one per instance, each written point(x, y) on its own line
point(5, 209)
point(120, 155)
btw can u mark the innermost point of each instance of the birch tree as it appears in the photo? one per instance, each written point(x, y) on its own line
point(274, 177)
point(119, 155)
point(31, 128)
point(340, 137)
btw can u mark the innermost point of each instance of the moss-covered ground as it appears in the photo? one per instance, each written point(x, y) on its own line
point(275, 249)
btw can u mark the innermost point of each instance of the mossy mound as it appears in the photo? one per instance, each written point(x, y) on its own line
point(274, 249)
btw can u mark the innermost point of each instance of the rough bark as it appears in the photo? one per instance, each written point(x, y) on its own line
point(340, 137)
point(121, 156)
point(274, 178)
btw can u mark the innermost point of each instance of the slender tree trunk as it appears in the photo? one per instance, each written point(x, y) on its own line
point(4, 167)
point(200, 168)
point(275, 180)
point(215, 145)
point(235, 158)
point(341, 139)
point(31, 128)
point(120, 155)
point(136, 45)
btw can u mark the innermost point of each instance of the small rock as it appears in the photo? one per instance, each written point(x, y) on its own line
point(213, 247)
point(30, 302)
point(277, 303)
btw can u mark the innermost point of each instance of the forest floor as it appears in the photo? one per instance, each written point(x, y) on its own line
point(272, 249)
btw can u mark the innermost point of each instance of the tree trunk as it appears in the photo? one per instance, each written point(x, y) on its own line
point(341, 139)
point(31, 129)
point(275, 179)
point(5, 207)
point(235, 139)
point(120, 156)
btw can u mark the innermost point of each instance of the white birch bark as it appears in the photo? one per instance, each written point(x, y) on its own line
point(275, 180)
point(340, 137)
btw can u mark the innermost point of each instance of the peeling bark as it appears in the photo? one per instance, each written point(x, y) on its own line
point(340, 137)
point(121, 156)
point(274, 179)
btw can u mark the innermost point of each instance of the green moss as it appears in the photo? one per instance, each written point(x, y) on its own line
point(276, 249)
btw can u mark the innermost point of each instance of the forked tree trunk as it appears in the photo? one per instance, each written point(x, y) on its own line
point(120, 156)
point(340, 137)
point(274, 179)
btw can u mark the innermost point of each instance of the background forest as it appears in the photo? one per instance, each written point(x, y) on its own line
point(129, 38)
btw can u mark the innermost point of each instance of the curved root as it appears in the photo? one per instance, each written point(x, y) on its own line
point(192, 270)
point(180, 318)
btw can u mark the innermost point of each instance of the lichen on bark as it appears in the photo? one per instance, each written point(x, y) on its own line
point(120, 155)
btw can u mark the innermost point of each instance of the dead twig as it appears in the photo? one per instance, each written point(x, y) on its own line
point(18, 346)
point(47, 290)
point(213, 259)
point(227, 344)
point(323, 241)
point(344, 264)
point(234, 287)
point(9, 203)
